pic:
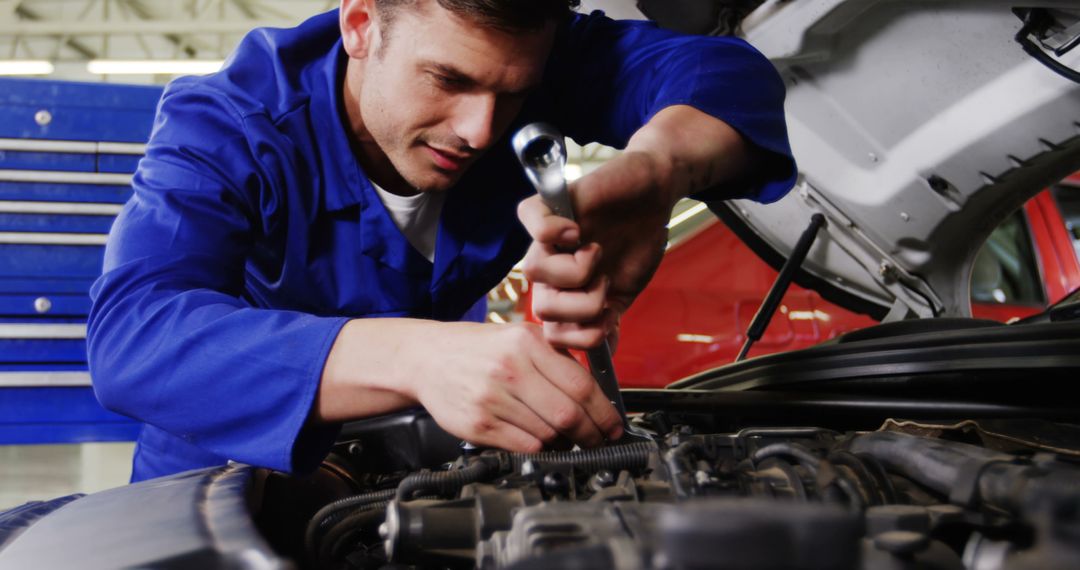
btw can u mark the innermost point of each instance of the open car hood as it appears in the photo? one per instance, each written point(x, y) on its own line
point(918, 127)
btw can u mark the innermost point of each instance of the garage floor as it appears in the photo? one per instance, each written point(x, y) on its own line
point(35, 472)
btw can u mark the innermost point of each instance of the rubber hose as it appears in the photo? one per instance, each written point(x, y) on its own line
point(352, 524)
point(999, 482)
point(631, 456)
point(882, 477)
point(800, 454)
point(824, 472)
point(443, 482)
point(332, 512)
point(934, 463)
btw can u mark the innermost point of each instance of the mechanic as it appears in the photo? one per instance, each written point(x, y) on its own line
point(314, 228)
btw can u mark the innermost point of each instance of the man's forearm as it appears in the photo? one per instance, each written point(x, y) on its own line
point(624, 206)
point(495, 385)
point(692, 150)
point(364, 373)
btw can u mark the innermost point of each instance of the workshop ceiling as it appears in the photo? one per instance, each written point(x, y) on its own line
point(70, 33)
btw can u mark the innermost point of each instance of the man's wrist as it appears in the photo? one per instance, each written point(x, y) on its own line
point(365, 373)
point(691, 151)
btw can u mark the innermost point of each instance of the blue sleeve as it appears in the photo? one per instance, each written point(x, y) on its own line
point(170, 340)
point(610, 77)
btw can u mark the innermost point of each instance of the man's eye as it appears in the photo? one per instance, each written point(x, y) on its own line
point(447, 81)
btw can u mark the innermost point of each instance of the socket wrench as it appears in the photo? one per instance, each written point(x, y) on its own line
point(541, 150)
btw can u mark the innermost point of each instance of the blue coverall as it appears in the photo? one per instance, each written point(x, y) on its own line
point(253, 235)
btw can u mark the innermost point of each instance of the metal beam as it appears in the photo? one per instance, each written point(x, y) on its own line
point(245, 9)
point(143, 14)
point(53, 28)
point(23, 12)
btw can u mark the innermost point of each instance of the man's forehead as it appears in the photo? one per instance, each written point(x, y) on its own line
point(454, 45)
point(433, 11)
point(515, 82)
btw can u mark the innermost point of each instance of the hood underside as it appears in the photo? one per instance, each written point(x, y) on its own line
point(918, 128)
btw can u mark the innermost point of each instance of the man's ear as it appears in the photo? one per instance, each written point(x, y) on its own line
point(359, 27)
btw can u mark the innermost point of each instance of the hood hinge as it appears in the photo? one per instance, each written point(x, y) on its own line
point(910, 291)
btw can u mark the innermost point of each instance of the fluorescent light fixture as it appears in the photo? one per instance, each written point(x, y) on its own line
point(510, 293)
point(153, 66)
point(25, 67)
point(701, 338)
point(689, 213)
point(809, 315)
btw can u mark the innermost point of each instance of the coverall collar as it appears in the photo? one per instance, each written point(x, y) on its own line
point(380, 238)
point(329, 118)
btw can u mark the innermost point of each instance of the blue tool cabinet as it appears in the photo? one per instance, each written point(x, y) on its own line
point(67, 152)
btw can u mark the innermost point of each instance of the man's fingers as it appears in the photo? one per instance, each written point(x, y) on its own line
point(580, 336)
point(504, 435)
point(580, 387)
point(585, 335)
point(570, 306)
point(561, 412)
point(571, 270)
point(545, 227)
point(518, 413)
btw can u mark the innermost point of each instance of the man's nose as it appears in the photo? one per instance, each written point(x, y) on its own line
point(475, 120)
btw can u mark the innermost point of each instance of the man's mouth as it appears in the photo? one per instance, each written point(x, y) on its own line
point(446, 160)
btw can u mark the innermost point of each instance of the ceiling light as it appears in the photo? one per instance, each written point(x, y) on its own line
point(153, 66)
point(25, 67)
point(689, 213)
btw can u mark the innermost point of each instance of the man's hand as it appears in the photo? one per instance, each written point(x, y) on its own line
point(492, 385)
point(622, 211)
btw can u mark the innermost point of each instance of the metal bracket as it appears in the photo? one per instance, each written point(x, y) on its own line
point(886, 270)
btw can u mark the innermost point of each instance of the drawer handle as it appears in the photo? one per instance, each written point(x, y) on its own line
point(42, 305)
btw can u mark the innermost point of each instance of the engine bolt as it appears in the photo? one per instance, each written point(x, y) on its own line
point(555, 483)
point(601, 480)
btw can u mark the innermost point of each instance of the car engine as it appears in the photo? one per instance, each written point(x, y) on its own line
point(976, 494)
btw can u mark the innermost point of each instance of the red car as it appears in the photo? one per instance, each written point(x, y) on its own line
point(695, 312)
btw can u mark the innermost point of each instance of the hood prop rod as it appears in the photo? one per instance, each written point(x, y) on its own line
point(768, 307)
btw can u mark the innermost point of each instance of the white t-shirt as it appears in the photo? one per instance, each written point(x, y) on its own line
point(416, 216)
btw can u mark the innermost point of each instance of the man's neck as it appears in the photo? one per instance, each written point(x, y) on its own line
point(372, 159)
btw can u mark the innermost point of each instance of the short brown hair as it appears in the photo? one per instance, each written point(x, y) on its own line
point(507, 15)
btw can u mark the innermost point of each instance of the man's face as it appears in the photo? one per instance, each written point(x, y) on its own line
point(434, 91)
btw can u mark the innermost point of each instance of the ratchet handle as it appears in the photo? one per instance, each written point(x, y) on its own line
point(542, 152)
point(559, 202)
point(602, 367)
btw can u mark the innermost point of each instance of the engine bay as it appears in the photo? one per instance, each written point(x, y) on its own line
point(974, 494)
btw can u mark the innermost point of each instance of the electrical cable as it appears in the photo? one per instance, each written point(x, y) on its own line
point(1035, 18)
point(331, 513)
